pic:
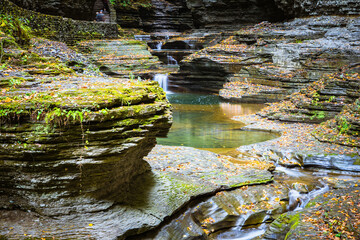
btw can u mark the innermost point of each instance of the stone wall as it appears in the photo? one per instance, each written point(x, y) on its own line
point(59, 28)
point(301, 8)
point(76, 9)
point(232, 13)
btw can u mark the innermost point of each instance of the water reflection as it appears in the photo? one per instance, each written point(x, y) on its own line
point(203, 121)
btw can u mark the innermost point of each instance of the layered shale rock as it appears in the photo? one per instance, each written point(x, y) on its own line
point(232, 13)
point(324, 217)
point(321, 100)
point(300, 8)
point(266, 62)
point(237, 209)
point(59, 28)
point(79, 9)
point(344, 128)
point(85, 139)
point(178, 175)
point(121, 57)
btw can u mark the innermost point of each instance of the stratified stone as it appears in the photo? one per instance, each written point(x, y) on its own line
point(299, 8)
point(330, 214)
point(266, 62)
point(178, 175)
point(344, 129)
point(86, 139)
point(322, 100)
point(57, 27)
point(240, 208)
point(121, 57)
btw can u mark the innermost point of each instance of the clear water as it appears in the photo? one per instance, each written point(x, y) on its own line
point(203, 121)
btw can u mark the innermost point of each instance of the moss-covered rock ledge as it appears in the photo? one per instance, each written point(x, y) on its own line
point(70, 136)
point(59, 28)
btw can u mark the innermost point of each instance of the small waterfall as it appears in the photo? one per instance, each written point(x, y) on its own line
point(142, 37)
point(290, 172)
point(298, 200)
point(171, 60)
point(159, 46)
point(162, 79)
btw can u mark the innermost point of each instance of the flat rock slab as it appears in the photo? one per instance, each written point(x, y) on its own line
point(204, 167)
point(178, 175)
point(297, 146)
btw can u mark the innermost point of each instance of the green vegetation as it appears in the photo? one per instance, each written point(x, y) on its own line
point(318, 115)
point(14, 30)
point(65, 106)
point(133, 4)
point(344, 125)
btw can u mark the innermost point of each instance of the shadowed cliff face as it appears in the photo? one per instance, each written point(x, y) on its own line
point(180, 15)
point(77, 9)
point(232, 13)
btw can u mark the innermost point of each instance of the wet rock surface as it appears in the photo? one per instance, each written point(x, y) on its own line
point(330, 215)
point(178, 174)
point(72, 142)
point(298, 147)
point(240, 208)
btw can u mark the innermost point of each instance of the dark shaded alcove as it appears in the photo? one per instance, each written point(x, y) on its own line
point(233, 13)
point(75, 9)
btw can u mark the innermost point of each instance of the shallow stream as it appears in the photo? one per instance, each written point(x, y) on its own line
point(205, 122)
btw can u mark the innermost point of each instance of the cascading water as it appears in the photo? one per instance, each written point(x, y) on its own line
point(142, 37)
point(162, 79)
point(171, 60)
point(159, 46)
point(298, 200)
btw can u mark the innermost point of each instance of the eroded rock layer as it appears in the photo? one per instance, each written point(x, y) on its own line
point(299, 8)
point(87, 138)
point(266, 62)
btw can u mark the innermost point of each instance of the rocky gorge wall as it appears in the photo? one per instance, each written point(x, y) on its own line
point(302, 8)
point(72, 142)
point(266, 62)
point(180, 15)
point(59, 28)
point(78, 9)
point(232, 13)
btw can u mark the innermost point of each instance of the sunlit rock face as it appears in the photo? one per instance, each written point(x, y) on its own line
point(300, 8)
point(78, 9)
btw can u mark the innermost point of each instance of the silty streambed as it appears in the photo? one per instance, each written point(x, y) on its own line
point(204, 122)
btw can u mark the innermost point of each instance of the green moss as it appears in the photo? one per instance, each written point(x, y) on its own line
point(294, 221)
point(60, 106)
point(131, 4)
point(252, 182)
